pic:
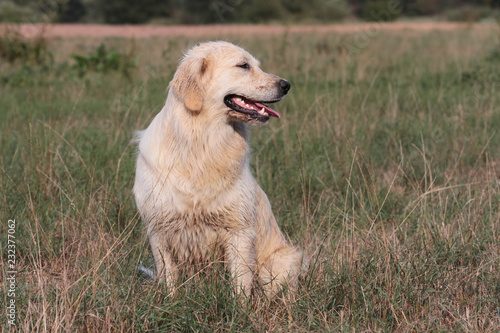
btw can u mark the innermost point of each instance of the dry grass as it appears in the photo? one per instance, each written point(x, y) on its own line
point(218, 31)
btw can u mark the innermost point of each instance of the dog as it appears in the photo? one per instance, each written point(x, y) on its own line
point(193, 185)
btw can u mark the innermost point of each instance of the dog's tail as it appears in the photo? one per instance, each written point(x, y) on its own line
point(147, 271)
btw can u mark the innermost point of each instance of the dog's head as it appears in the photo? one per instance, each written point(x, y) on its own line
point(224, 80)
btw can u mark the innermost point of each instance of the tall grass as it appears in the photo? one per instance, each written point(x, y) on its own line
point(385, 167)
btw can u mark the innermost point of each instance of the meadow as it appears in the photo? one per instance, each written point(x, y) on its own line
point(384, 167)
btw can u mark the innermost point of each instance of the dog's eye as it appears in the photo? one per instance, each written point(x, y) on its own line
point(244, 65)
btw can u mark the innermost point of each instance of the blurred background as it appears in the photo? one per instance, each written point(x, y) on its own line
point(165, 12)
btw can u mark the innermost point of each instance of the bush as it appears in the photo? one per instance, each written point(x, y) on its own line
point(264, 11)
point(333, 10)
point(103, 61)
point(133, 11)
point(71, 11)
point(15, 48)
point(381, 10)
point(426, 7)
point(11, 12)
point(467, 13)
point(260, 11)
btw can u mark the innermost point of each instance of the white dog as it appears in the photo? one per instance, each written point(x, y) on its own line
point(193, 185)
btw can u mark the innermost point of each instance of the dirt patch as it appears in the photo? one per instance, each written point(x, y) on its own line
point(143, 31)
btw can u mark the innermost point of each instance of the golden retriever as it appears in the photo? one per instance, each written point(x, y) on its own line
point(193, 184)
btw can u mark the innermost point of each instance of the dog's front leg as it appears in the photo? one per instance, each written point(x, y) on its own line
point(166, 269)
point(241, 259)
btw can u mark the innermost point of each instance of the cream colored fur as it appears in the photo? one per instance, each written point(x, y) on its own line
point(193, 185)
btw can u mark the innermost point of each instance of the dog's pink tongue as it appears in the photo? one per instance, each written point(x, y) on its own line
point(268, 109)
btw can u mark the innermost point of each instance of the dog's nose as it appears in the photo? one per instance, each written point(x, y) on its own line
point(284, 86)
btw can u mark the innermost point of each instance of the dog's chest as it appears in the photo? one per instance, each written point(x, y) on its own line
point(209, 173)
point(197, 238)
point(210, 162)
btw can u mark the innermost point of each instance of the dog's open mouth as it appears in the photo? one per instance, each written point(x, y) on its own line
point(250, 108)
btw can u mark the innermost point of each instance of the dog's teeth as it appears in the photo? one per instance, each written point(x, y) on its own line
point(262, 111)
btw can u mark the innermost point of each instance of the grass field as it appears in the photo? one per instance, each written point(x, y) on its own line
point(385, 167)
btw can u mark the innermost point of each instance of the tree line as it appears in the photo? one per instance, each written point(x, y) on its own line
point(239, 11)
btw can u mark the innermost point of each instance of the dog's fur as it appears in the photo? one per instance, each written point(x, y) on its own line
point(193, 185)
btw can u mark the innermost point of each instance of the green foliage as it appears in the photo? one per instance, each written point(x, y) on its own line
point(425, 7)
point(238, 11)
point(223, 11)
point(30, 11)
point(14, 48)
point(467, 13)
point(331, 10)
point(260, 11)
point(381, 10)
point(133, 11)
point(104, 61)
point(204, 12)
point(71, 11)
point(294, 11)
point(12, 12)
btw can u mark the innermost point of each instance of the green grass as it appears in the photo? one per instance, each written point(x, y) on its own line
point(385, 167)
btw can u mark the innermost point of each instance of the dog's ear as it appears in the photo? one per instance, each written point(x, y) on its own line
point(187, 82)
